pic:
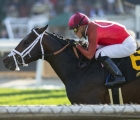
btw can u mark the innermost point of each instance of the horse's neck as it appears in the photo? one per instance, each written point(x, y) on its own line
point(61, 63)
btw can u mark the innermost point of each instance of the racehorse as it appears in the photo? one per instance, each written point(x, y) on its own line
point(83, 85)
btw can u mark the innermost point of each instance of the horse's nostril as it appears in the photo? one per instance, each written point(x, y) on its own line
point(6, 60)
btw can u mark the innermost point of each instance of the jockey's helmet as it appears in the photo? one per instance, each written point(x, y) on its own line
point(77, 19)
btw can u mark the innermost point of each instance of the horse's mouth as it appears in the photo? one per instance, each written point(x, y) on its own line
point(9, 64)
point(10, 67)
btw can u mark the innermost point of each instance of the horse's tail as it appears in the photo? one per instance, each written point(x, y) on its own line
point(132, 33)
point(138, 44)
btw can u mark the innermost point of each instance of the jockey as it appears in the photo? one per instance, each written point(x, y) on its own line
point(113, 39)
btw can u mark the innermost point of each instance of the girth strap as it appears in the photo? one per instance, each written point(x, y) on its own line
point(75, 51)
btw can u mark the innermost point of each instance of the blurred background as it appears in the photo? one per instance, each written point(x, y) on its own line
point(18, 17)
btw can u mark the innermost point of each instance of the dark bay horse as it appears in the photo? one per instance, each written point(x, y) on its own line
point(83, 86)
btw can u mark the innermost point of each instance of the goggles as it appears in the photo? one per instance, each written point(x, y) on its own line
point(75, 30)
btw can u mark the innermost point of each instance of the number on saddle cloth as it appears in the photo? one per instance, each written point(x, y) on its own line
point(135, 64)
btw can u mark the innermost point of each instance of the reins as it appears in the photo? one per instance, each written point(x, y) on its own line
point(54, 53)
point(59, 51)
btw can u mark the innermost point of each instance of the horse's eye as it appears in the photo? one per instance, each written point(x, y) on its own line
point(26, 42)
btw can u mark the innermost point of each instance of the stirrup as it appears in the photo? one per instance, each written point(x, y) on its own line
point(118, 80)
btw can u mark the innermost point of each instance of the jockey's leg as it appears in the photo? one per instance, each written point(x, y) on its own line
point(127, 48)
point(113, 69)
point(124, 49)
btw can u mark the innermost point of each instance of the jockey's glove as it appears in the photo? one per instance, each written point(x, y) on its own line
point(72, 43)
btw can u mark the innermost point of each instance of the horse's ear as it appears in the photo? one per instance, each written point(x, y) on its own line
point(43, 29)
point(46, 27)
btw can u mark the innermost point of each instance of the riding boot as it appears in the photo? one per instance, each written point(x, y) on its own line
point(113, 69)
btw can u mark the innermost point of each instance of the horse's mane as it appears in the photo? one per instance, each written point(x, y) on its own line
point(58, 37)
point(65, 40)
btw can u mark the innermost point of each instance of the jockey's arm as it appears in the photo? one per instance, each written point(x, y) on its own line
point(92, 38)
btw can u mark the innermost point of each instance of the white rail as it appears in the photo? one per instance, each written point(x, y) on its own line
point(82, 112)
point(6, 45)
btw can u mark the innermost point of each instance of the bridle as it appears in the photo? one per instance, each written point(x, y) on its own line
point(28, 50)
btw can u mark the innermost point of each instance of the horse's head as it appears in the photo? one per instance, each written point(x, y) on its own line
point(28, 50)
